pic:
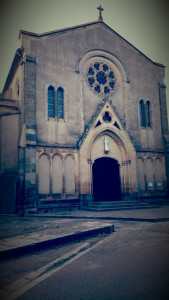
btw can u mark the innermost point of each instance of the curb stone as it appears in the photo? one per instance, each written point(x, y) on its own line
point(55, 241)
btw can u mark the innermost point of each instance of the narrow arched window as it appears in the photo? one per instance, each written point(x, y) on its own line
point(60, 103)
point(148, 117)
point(142, 114)
point(51, 102)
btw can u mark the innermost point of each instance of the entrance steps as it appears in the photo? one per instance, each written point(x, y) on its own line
point(119, 205)
point(49, 206)
point(55, 205)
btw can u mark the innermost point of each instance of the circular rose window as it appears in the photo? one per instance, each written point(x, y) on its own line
point(101, 78)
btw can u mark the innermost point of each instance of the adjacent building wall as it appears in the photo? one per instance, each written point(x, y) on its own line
point(9, 134)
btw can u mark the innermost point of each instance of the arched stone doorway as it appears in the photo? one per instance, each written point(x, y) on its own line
point(106, 179)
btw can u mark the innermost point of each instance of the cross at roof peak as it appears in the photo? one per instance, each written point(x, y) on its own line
point(100, 13)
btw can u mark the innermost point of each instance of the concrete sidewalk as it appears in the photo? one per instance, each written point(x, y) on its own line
point(21, 234)
point(148, 215)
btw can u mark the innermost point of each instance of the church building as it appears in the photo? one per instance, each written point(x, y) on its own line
point(83, 118)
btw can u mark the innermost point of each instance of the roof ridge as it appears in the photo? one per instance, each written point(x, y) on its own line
point(58, 30)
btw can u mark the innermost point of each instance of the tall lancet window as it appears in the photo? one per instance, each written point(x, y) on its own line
point(148, 116)
point(142, 114)
point(51, 102)
point(60, 103)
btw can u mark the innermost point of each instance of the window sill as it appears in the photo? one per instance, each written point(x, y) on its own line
point(61, 120)
point(146, 127)
point(51, 119)
point(56, 120)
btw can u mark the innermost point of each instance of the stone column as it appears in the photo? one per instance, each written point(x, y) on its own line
point(30, 122)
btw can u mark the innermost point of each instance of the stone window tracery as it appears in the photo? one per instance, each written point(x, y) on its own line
point(142, 114)
point(107, 117)
point(55, 103)
point(60, 104)
point(148, 114)
point(51, 102)
point(145, 113)
point(101, 78)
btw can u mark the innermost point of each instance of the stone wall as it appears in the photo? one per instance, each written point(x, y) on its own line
point(9, 128)
point(57, 173)
point(62, 59)
point(59, 59)
point(8, 192)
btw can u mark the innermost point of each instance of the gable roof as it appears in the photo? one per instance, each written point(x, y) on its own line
point(16, 61)
point(19, 52)
point(9, 107)
point(59, 31)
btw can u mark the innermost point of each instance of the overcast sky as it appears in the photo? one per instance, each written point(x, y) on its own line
point(144, 23)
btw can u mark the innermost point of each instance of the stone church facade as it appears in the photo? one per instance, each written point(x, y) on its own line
point(83, 118)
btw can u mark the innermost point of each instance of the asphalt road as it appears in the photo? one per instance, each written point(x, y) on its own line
point(130, 264)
